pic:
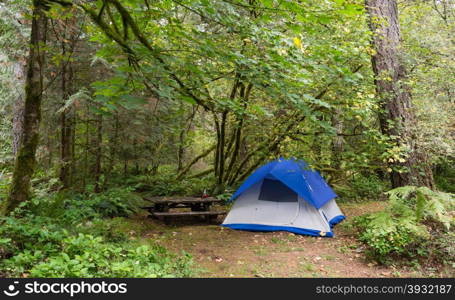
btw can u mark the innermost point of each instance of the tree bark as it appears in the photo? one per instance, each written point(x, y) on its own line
point(25, 160)
point(396, 118)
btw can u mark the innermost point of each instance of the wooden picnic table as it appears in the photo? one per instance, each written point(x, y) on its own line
point(160, 207)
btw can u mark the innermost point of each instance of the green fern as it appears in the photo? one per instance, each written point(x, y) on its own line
point(420, 204)
point(401, 228)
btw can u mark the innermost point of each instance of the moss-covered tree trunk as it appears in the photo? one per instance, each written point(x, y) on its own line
point(25, 159)
point(397, 119)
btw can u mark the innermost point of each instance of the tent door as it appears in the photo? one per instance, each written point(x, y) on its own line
point(276, 205)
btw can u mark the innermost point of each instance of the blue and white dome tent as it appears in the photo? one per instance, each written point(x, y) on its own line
point(285, 195)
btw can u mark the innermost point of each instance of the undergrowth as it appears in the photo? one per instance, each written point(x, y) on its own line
point(75, 235)
point(417, 224)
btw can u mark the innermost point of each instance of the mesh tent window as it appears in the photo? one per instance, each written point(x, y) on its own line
point(275, 190)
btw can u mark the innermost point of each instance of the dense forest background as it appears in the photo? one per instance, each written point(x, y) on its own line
point(102, 100)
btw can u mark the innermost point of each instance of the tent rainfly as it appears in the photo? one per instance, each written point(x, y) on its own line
point(285, 195)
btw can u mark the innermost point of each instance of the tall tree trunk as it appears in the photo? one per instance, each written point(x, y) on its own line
point(73, 146)
point(180, 150)
point(99, 141)
point(221, 155)
point(87, 146)
point(66, 120)
point(25, 160)
point(20, 69)
point(114, 143)
point(49, 134)
point(396, 117)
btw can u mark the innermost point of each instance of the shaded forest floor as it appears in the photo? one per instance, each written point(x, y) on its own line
point(221, 252)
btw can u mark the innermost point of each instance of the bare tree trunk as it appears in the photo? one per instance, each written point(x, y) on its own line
point(25, 160)
point(99, 141)
point(222, 146)
point(114, 142)
point(397, 118)
point(49, 146)
point(87, 146)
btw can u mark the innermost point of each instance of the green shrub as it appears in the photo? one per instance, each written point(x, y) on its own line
point(43, 249)
point(387, 233)
point(442, 246)
point(119, 202)
point(362, 187)
point(88, 256)
point(226, 196)
point(414, 219)
point(73, 208)
point(30, 233)
point(444, 176)
point(80, 243)
point(114, 230)
point(368, 186)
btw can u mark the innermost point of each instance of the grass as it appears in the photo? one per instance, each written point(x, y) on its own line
point(277, 240)
point(309, 267)
point(260, 250)
point(291, 249)
point(329, 257)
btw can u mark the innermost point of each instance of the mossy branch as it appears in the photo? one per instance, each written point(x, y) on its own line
point(195, 160)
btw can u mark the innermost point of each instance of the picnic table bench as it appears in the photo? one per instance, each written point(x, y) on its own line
point(160, 207)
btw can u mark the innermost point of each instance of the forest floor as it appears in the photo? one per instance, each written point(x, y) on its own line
point(222, 252)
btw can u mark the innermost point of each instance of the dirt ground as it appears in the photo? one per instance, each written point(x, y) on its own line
point(222, 252)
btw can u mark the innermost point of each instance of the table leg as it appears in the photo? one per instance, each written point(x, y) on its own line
point(161, 207)
point(197, 207)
